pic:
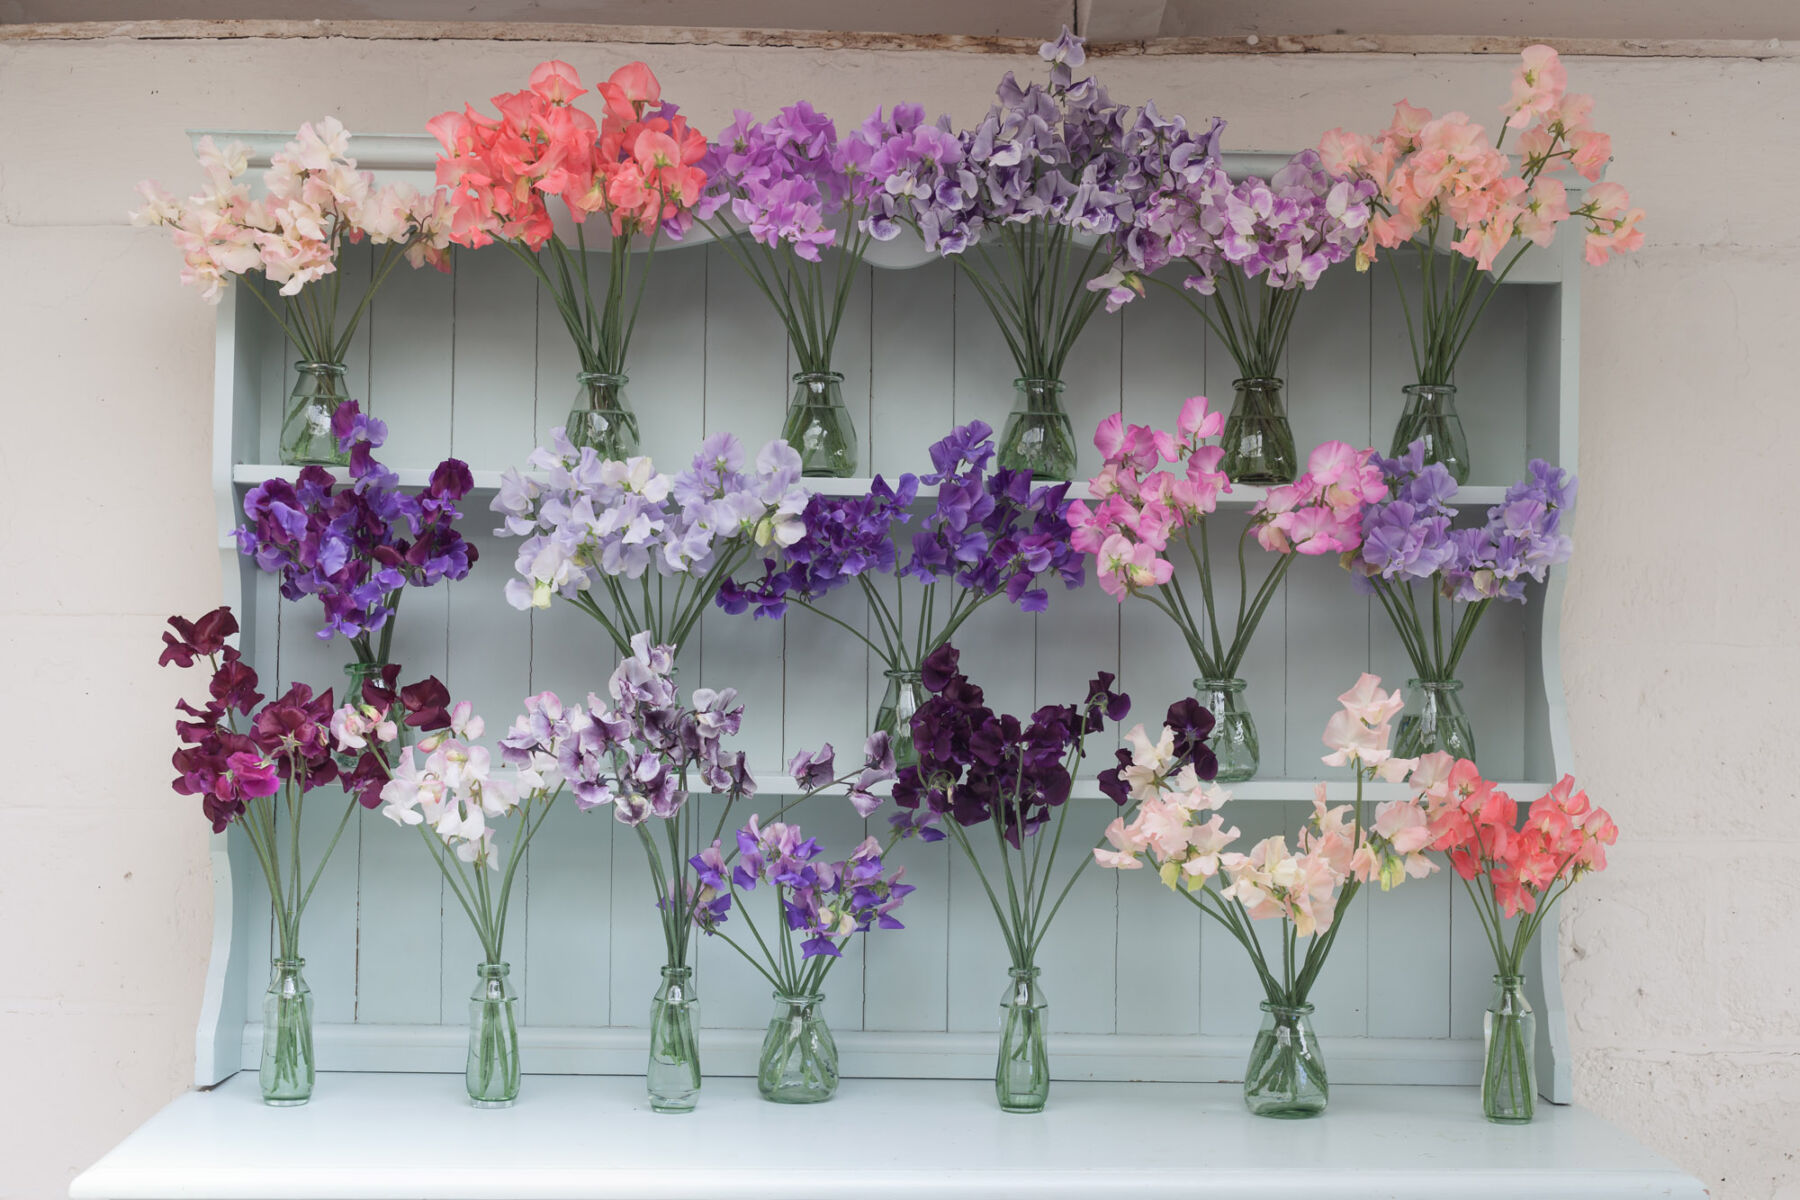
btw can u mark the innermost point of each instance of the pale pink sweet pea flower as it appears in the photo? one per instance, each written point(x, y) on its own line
point(1195, 424)
point(1538, 86)
point(1127, 846)
point(1369, 703)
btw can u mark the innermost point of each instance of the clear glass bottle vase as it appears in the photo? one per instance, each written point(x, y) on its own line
point(905, 693)
point(601, 415)
point(1258, 441)
point(673, 1076)
point(799, 1063)
point(1430, 416)
point(1509, 1067)
point(1234, 729)
point(1022, 1069)
point(818, 426)
point(1286, 1074)
point(1434, 720)
point(306, 436)
point(286, 1074)
point(492, 1073)
point(1038, 437)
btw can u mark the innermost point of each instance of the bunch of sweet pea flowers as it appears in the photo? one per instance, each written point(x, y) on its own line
point(989, 532)
point(1142, 512)
point(315, 202)
point(637, 169)
point(1177, 830)
point(822, 904)
point(1408, 540)
point(1430, 170)
point(977, 767)
point(638, 550)
point(797, 188)
point(1285, 231)
point(358, 547)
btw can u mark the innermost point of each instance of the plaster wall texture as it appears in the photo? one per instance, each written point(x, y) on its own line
point(1682, 637)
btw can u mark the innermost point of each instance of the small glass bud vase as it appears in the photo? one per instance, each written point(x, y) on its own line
point(601, 416)
point(492, 1073)
point(1430, 416)
point(286, 1075)
point(673, 1077)
point(799, 1062)
point(905, 692)
point(1022, 1071)
point(1038, 438)
point(819, 428)
point(1509, 1070)
point(1234, 729)
point(1434, 720)
point(1286, 1074)
point(306, 436)
point(1258, 441)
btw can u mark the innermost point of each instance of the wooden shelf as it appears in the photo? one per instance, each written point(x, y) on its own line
point(390, 1135)
point(1472, 498)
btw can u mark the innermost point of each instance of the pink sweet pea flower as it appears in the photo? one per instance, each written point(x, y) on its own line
point(1537, 88)
point(556, 82)
point(1195, 424)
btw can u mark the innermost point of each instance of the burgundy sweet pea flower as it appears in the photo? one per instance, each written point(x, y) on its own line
point(427, 704)
point(234, 684)
point(197, 639)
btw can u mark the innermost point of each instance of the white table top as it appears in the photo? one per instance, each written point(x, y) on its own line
point(392, 1135)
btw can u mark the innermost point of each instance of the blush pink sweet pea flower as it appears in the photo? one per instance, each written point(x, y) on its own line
point(1195, 424)
point(1537, 87)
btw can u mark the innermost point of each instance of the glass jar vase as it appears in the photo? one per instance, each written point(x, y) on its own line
point(1039, 438)
point(1434, 720)
point(818, 426)
point(1286, 1074)
point(601, 416)
point(799, 1063)
point(1509, 1067)
point(1258, 441)
point(1233, 737)
point(306, 436)
point(1430, 416)
point(1022, 1071)
point(492, 1073)
point(673, 1076)
point(905, 693)
point(287, 1072)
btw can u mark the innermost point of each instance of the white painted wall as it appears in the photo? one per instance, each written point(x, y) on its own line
point(1682, 638)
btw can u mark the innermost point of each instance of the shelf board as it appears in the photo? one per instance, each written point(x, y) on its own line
point(486, 482)
point(1254, 791)
point(393, 1135)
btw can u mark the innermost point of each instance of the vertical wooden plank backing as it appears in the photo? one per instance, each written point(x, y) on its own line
point(1229, 989)
point(667, 366)
point(495, 367)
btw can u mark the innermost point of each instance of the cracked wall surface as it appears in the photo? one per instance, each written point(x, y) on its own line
point(1681, 631)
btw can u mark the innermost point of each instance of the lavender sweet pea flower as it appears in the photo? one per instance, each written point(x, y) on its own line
point(813, 769)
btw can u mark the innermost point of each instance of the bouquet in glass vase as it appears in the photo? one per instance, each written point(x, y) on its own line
point(358, 548)
point(988, 533)
point(816, 908)
point(1142, 517)
point(637, 169)
point(1441, 181)
point(1251, 249)
point(1023, 201)
point(253, 764)
point(646, 753)
point(314, 203)
point(1409, 544)
point(450, 789)
point(981, 768)
point(638, 550)
point(779, 193)
point(1177, 830)
point(1514, 871)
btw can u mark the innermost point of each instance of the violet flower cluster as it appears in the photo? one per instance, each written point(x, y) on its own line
point(593, 528)
point(978, 767)
point(988, 531)
point(1048, 169)
point(357, 547)
point(1285, 231)
point(1411, 537)
point(795, 188)
point(823, 903)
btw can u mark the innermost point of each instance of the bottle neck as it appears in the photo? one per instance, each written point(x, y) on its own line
point(1287, 1012)
point(493, 970)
